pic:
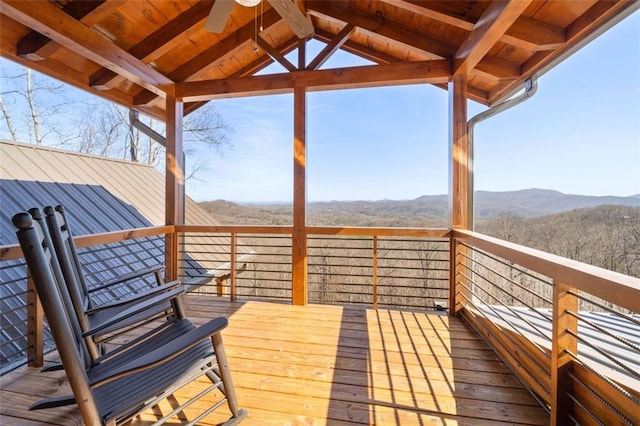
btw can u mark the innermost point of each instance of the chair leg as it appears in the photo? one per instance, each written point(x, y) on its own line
point(225, 374)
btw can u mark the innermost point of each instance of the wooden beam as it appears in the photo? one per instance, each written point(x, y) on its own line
point(275, 54)
point(299, 268)
point(578, 33)
point(174, 181)
point(47, 19)
point(302, 53)
point(381, 26)
point(526, 32)
point(494, 22)
point(396, 33)
point(459, 154)
point(36, 47)
point(332, 47)
point(156, 43)
point(437, 71)
point(357, 49)
point(208, 57)
point(564, 328)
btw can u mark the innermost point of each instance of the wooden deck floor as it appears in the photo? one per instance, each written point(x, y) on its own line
point(332, 365)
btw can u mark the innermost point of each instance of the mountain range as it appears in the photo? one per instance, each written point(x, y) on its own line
point(526, 203)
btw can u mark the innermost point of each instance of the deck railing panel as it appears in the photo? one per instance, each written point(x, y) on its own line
point(570, 331)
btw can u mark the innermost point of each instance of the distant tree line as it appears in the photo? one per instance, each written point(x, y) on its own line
point(605, 236)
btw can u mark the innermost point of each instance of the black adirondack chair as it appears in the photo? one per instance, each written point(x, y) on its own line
point(154, 366)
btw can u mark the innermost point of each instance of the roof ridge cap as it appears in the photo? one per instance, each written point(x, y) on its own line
point(68, 152)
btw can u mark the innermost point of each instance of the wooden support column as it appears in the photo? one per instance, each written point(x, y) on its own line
point(459, 184)
point(459, 154)
point(299, 238)
point(174, 186)
point(564, 328)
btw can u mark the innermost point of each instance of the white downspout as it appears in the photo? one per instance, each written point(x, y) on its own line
point(531, 86)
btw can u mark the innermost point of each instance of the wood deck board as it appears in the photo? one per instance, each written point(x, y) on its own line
point(328, 364)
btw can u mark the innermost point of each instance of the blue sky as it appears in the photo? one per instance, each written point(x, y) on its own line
point(579, 134)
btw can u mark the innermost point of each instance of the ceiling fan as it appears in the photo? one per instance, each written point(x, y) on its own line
point(221, 10)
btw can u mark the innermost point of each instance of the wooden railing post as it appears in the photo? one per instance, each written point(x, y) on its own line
point(232, 265)
point(35, 326)
point(374, 278)
point(563, 331)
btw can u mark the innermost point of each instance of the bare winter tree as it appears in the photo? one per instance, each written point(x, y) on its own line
point(32, 106)
point(39, 110)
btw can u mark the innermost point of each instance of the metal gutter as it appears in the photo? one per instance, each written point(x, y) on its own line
point(531, 87)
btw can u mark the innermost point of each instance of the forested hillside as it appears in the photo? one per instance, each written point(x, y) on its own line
point(606, 235)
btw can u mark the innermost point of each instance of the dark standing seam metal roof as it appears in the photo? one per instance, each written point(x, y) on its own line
point(99, 195)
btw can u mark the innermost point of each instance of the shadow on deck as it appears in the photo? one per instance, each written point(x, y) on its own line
point(334, 365)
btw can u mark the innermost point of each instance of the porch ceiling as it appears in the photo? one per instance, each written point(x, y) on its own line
point(132, 52)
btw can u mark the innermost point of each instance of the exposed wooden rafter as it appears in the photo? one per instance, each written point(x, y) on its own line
point(275, 54)
point(36, 47)
point(494, 22)
point(436, 71)
point(331, 47)
point(157, 43)
point(47, 19)
point(527, 33)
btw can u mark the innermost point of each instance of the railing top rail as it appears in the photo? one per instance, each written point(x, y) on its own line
point(379, 231)
point(623, 290)
point(238, 229)
point(11, 252)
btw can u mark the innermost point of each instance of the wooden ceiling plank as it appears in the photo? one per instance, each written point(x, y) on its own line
point(534, 35)
point(527, 33)
point(156, 43)
point(208, 57)
point(36, 47)
point(47, 19)
point(494, 22)
point(381, 26)
point(264, 61)
point(331, 48)
point(357, 49)
point(436, 71)
point(223, 47)
point(275, 54)
point(594, 18)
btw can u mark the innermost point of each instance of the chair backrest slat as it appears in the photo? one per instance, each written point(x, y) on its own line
point(63, 291)
point(68, 258)
point(41, 263)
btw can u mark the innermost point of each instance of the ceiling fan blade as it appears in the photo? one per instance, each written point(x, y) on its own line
point(298, 22)
point(219, 15)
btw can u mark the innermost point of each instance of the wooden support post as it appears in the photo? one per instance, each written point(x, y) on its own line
point(454, 304)
point(35, 326)
point(375, 272)
point(220, 283)
point(459, 154)
point(299, 238)
point(232, 266)
point(562, 342)
point(174, 186)
point(459, 182)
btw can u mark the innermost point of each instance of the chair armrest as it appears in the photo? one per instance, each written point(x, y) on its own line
point(128, 277)
point(168, 351)
point(134, 309)
point(138, 297)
